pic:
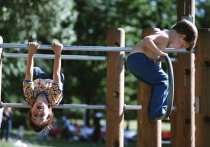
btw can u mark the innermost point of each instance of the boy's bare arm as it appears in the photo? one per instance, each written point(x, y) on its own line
point(57, 48)
point(150, 43)
point(32, 48)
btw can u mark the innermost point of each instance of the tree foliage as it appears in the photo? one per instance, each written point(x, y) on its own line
point(42, 21)
point(85, 23)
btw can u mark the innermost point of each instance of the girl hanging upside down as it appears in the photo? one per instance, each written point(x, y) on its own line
point(42, 91)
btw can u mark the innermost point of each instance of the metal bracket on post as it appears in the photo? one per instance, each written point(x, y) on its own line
point(188, 17)
point(197, 104)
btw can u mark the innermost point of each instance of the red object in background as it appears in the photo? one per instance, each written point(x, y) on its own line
point(54, 132)
point(166, 135)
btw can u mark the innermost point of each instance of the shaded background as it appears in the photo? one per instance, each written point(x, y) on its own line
point(83, 23)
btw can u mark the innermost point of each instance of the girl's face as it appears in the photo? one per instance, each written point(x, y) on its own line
point(40, 112)
point(177, 40)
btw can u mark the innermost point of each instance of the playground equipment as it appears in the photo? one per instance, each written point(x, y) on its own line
point(112, 50)
point(182, 120)
point(111, 56)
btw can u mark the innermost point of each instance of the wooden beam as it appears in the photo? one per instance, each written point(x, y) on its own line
point(149, 134)
point(183, 119)
point(202, 64)
point(115, 90)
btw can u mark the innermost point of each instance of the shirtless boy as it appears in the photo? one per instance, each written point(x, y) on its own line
point(141, 62)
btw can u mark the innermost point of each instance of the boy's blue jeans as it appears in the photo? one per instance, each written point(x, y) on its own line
point(152, 74)
point(38, 73)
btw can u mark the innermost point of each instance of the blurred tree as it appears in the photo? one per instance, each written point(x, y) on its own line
point(43, 21)
point(32, 20)
point(202, 11)
point(85, 23)
point(94, 20)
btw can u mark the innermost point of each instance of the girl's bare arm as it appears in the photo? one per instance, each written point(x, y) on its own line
point(57, 48)
point(32, 48)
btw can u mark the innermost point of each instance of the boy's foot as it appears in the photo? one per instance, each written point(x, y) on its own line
point(162, 117)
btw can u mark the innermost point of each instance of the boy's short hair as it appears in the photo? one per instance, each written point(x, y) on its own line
point(187, 28)
point(40, 127)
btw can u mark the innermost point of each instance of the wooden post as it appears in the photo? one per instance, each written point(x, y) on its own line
point(149, 134)
point(1, 41)
point(202, 89)
point(115, 90)
point(183, 119)
point(1, 109)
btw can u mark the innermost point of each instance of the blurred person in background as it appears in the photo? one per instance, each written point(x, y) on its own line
point(6, 125)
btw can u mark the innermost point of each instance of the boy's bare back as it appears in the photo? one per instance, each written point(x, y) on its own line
point(152, 45)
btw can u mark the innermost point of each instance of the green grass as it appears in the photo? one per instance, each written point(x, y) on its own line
point(59, 143)
point(30, 138)
point(166, 127)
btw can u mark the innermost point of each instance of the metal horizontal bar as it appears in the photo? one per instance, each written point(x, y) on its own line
point(172, 59)
point(64, 57)
point(70, 48)
point(14, 105)
point(61, 106)
point(47, 56)
point(72, 106)
point(90, 48)
point(181, 50)
point(132, 107)
point(75, 106)
point(80, 106)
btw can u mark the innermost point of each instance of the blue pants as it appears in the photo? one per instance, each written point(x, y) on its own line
point(152, 74)
point(6, 128)
point(38, 73)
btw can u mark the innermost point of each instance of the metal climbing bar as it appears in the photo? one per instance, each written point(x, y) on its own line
point(170, 84)
point(71, 106)
point(48, 56)
point(132, 107)
point(89, 48)
point(64, 57)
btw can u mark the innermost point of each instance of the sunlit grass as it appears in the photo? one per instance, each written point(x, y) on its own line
point(56, 143)
point(31, 140)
